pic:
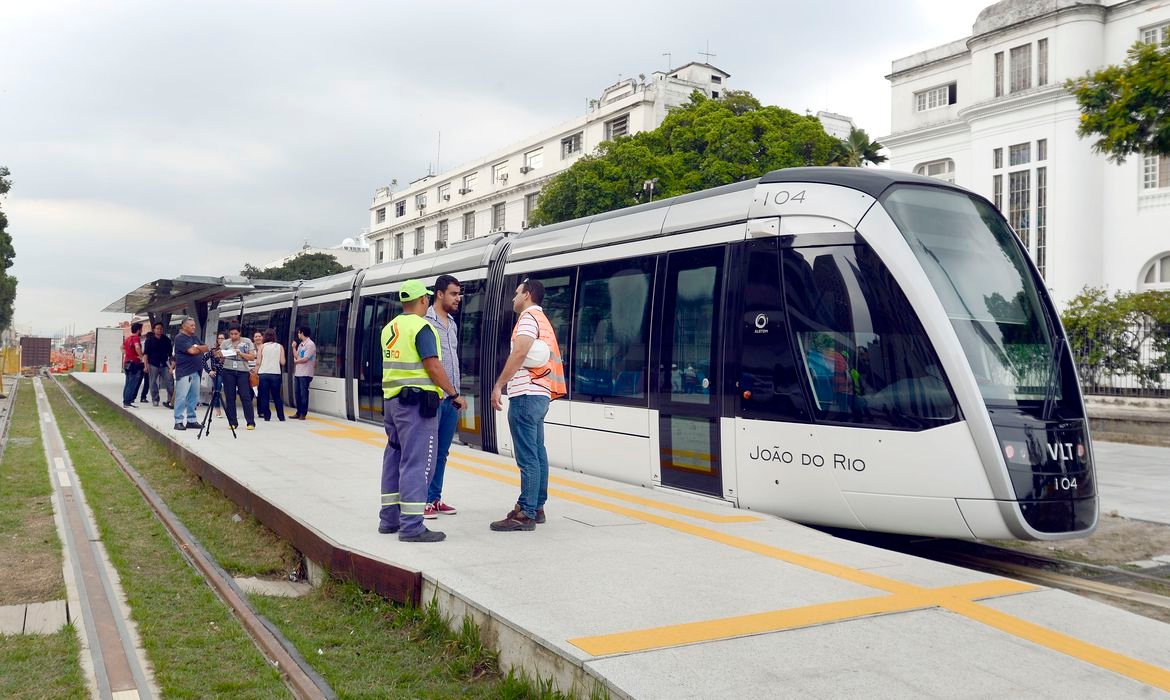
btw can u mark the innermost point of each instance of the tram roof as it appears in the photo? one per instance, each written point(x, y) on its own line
point(871, 181)
point(173, 295)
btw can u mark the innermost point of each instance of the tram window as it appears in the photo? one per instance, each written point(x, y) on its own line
point(864, 352)
point(768, 375)
point(613, 323)
point(470, 378)
point(254, 323)
point(322, 320)
point(693, 349)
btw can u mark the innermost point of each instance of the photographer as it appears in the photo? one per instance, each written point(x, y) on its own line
point(236, 352)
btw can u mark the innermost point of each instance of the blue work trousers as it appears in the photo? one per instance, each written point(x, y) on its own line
point(526, 421)
point(448, 424)
point(187, 398)
point(406, 466)
point(133, 377)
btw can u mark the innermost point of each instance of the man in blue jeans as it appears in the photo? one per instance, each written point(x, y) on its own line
point(188, 369)
point(534, 376)
point(448, 295)
point(305, 367)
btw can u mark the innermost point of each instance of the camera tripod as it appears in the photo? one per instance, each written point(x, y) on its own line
point(216, 391)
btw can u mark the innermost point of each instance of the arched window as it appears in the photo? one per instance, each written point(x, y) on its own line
point(943, 169)
point(1156, 273)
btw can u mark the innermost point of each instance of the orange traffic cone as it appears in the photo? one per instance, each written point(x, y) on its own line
point(105, 368)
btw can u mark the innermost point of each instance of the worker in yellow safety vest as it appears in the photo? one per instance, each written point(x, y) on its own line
point(413, 384)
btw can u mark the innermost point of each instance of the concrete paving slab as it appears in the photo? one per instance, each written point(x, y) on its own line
point(693, 601)
point(12, 619)
point(45, 618)
point(280, 589)
point(1134, 480)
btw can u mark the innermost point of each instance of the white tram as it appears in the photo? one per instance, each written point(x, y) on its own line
point(856, 348)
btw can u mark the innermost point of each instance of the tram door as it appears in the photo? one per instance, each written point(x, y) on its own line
point(689, 372)
point(375, 313)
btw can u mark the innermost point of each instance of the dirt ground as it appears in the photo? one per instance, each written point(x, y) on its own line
point(1116, 541)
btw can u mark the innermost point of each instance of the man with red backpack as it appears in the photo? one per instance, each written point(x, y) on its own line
point(534, 377)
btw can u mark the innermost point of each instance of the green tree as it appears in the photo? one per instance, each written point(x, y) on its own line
point(1127, 107)
point(7, 253)
point(702, 144)
point(856, 150)
point(303, 267)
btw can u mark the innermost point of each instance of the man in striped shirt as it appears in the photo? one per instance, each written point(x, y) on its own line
point(528, 403)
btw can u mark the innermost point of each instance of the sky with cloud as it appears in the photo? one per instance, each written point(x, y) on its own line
point(154, 139)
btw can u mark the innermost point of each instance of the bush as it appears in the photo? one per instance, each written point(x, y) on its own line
point(1123, 335)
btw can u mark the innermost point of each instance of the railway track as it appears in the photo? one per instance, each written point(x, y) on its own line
point(299, 677)
point(1135, 588)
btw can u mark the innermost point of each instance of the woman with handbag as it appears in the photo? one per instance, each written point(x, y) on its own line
point(270, 368)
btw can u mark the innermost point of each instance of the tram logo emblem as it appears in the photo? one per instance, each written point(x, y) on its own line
point(761, 323)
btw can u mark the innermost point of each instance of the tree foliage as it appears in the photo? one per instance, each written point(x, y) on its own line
point(7, 253)
point(703, 144)
point(1126, 334)
point(1127, 107)
point(856, 150)
point(303, 267)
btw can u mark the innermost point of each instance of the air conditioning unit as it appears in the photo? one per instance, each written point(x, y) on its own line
point(418, 251)
point(422, 206)
point(447, 197)
point(439, 245)
point(463, 190)
point(524, 170)
point(503, 177)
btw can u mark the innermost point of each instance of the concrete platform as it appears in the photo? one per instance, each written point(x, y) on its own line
point(657, 594)
point(34, 618)
point(1134, 480)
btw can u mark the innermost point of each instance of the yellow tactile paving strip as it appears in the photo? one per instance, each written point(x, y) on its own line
point(901, 596)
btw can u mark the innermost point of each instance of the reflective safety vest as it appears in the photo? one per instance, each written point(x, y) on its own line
point(550, 375)
point(401, 364)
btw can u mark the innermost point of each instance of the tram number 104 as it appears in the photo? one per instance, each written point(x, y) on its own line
point(783, 197)
point(1064, 483)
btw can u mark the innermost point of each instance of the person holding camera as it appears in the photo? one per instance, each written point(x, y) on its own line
point(413, 384)
point(237, 351)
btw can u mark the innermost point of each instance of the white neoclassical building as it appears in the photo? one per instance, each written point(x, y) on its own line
point(498, 191)
point(989, 112)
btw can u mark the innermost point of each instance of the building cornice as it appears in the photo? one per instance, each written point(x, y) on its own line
point(929, 65)
point(1014, 101)
point(989, 37)
point(926, 133)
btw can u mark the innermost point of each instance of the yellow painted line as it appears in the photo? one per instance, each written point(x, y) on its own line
point(352, 431)
point(819, 565)
point(618, 495)
point(792, 618)
point(1056, 641)
point(1141, 671)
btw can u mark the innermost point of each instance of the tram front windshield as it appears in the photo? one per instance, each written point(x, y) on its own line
point(979, 273)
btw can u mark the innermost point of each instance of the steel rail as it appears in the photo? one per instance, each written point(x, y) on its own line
point(301, 679)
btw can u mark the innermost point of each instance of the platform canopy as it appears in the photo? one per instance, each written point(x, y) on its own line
point(190, 295)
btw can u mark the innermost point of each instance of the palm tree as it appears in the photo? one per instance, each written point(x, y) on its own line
point(857, 150)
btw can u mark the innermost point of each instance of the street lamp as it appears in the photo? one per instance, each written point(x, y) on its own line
point(648, 188)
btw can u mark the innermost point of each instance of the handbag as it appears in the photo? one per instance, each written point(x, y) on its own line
point(253, 380)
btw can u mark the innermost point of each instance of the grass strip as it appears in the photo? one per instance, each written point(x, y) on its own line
point(362, 644)
point(246, 547)
point(196, 647)
point(37, 666)
point(28, 534)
